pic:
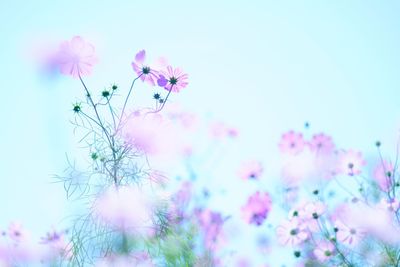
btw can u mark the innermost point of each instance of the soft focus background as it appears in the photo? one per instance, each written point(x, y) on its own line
point(263, 66)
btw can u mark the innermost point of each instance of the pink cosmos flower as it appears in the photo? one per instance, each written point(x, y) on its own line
point(250, 170)
point(310, 214)
point(16, 232)
point(291, 232)
point(292, 143)
point(347, 234)
point(56, 246)
point(146, 73)
point(375, 220)
point(257, 208)
point(322, 144)
point(173, 80)
point(350, 162)
point(324, 251)
point(383, 174)
point(76, 57)
point(313, 210)
point(211, 224)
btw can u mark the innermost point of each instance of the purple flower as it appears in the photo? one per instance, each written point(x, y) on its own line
point(211, 224)
point(176, 79)
point(146, 73)
point(76, 57)
point(292, 143)
point(257, 207)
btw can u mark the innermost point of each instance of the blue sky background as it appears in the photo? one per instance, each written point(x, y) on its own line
point(264, 66)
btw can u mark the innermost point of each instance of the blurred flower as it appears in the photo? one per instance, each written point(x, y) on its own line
point(322, 144)
point(173, 79)
point(291, 232)
point(313, 210)
point(348, 235)
point(250, 170)
point(126, 208)
point(56, 246)
point(309, 166)
point(324, 251)
point(310, 213)
point(16, 232)
point(146, 73)
point(372, 219)
point(350, 162)
point(383, 174)
point(211, 224)
point(153, 134)
point(257, 207)
point(292, 143)
point(76, 57)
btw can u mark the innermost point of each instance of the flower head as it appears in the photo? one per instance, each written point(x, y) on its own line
point(350, 162)
point(257, 208)
point(146, 73)
point(76, 57)
point(250, 170)
point(292, 143)
point(173, 80)
point(324, 251)
point(347, 234)
point(291, 232)
point(16, 232)
point(211, 225)
point(383, 174)
point(322, 144)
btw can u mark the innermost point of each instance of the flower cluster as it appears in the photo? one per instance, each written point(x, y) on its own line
point(338, 231)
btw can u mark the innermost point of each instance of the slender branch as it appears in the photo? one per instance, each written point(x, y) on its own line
point(95, 110)
point(126, 100)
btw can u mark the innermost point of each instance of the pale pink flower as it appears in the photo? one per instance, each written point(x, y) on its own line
point(250, 170)
point(126, 208)
point(257, 208)
point(292, 143)
point(310, 213)
point(313, 210)
point(383, 174)
point(146, 73)
point(56, 246)
point(324, 251)
point(211, 224)
point(16, 232)
point(291, 232)
point(322, 144)
point(76, 57)
point(375, 220)
point(350, 162)
point(349, 235)
point(173, 80)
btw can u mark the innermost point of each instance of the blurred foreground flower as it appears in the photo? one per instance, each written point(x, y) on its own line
point(76, 57)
